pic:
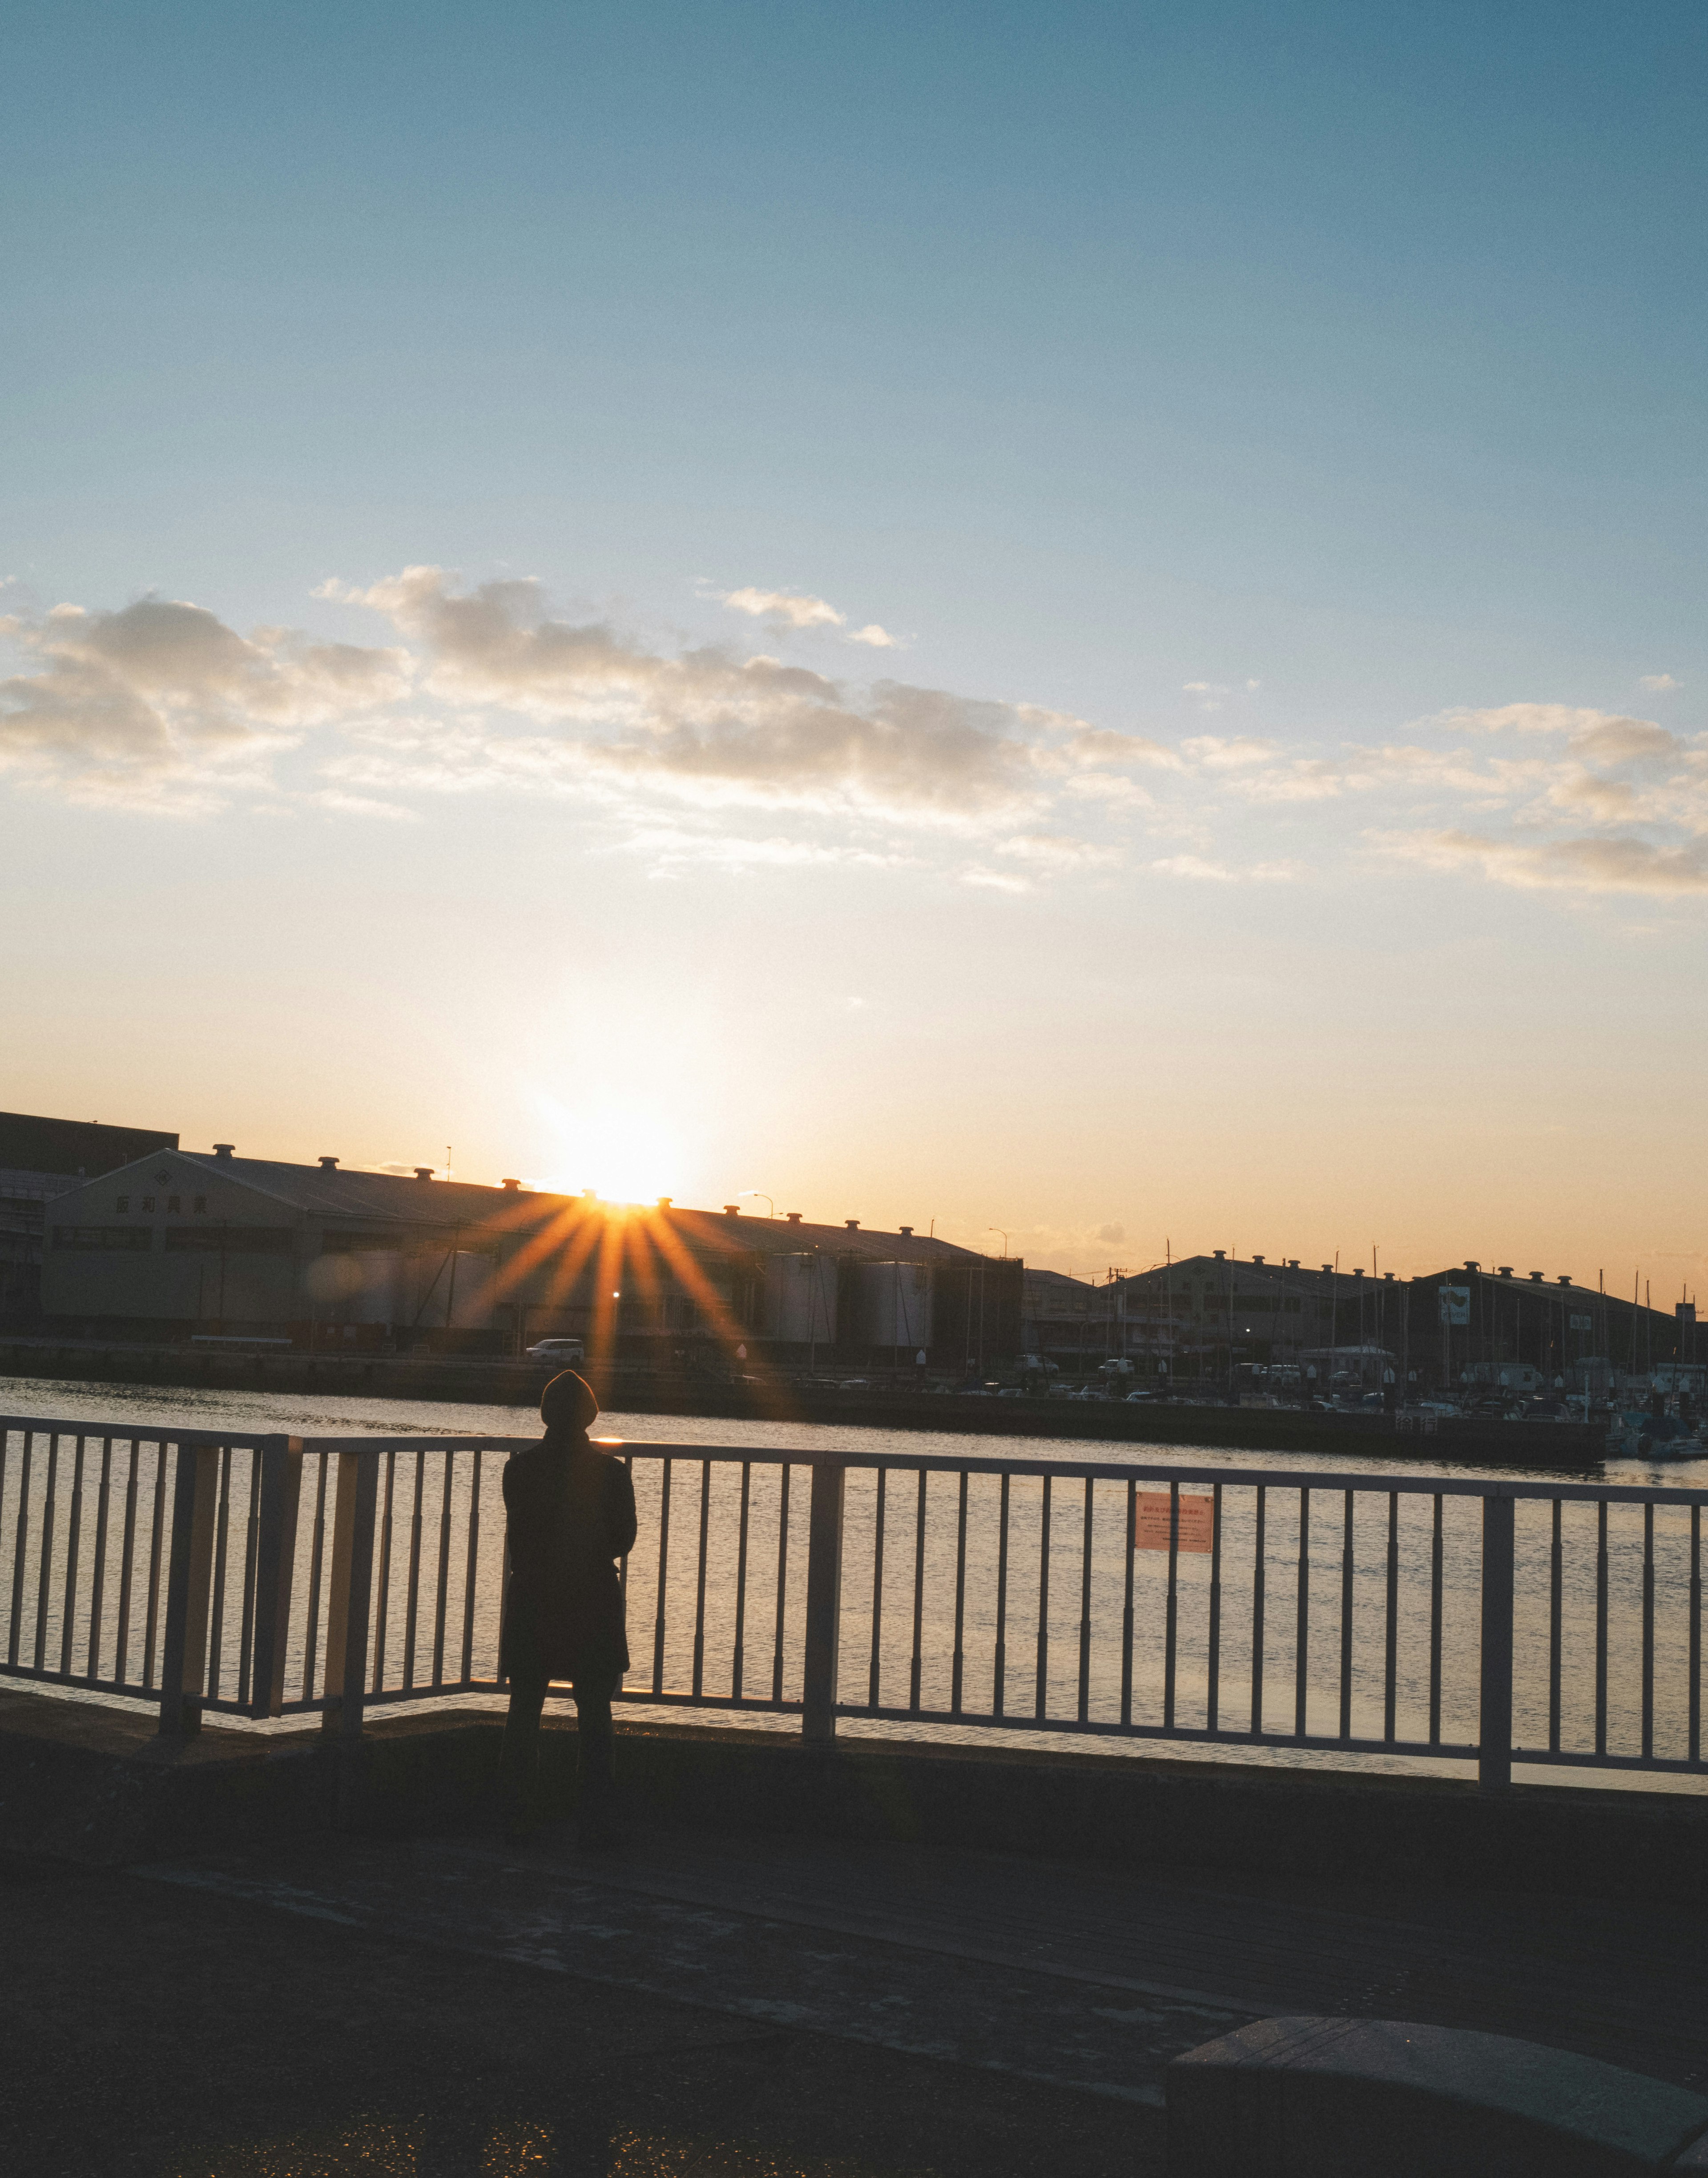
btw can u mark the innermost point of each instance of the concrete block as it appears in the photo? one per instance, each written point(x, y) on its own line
point(1351, 2097)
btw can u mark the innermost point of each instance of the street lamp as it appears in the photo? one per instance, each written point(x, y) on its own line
point(762, 1196)
point(998, 1228)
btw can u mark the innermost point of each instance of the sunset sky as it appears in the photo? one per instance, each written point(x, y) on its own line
point(1086, 623)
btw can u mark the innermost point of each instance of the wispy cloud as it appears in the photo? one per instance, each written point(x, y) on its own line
point(799, 609)
point(1657, 684)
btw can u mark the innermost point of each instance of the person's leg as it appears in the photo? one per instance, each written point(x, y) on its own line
point(595, 1761)
point(518, 1759)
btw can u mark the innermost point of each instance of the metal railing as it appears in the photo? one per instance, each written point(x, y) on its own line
point(1463, 1620)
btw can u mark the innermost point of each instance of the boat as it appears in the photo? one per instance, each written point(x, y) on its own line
point(1639, 1434)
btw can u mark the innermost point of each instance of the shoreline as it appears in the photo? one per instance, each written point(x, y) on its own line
point(1575, 1447)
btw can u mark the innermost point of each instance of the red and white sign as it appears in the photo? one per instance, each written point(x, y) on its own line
point(1197, 1529)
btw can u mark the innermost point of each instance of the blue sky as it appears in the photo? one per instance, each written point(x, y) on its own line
point(1310, 395)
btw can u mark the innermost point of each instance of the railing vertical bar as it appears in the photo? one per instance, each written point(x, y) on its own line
point(1694, 1698)
point(156, 1531)
point(1301, 1647)
point(1648, 1633)
point(1129, 1553)
point(47, 1511)
point(1258, 1554)
point(311, 1637)
point(658, 1601)
point(252, 1539)
point(74, 1540)
point(700, 1578)
point(959, 1660)
point(384, 1595)
point(999, 1661)
point(1212, 1661)
point(621, 1571)
point(98, 1577)
point(1556, 1583)
point(1042, 1694)
point(875, 1678)
point(472, 1573)
point(1435, 1613)
point(1346, 1595)
point(1172, 1615)
point(782, 1582)
point(739, 1662)
point(411, 1595)
point(1085, 1686)
point(918, 1595)
point(442, 1601)
point(217, 1607)
point(1390, 1664)
point(1601, 1627)
point(121, 1659)
point(20, 1550)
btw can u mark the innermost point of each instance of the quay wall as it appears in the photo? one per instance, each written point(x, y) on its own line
point(93, 1784)
point(1572, 1447)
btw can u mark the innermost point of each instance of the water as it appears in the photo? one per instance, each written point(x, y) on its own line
point(1044, 1592)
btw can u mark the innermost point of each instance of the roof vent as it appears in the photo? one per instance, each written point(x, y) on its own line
point(329, 1164)
point(1505, 1270)
point(1256, 1259)
point(1536, 1277)
point(225, 1149)
point(1564, 1279)
point(1292, 1263)
point(732, 1209)
point(589, 1194)
point(1387, 1277)
point(793, 1217)
point(1328, 1267)
point(907, 1232)
point(1221, 1255)
point(1473, 1267)
point(1358, 1270)
point(852, 1223)
point(423, 1172)
point(510, 1186)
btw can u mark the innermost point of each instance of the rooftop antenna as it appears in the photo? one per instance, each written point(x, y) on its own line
point(447, 1160)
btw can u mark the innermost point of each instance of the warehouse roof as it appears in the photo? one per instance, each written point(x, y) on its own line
point(381, 1198)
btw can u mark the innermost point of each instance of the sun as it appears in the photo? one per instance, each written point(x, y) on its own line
point(625, 1151)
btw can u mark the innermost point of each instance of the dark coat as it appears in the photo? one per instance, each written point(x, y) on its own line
point(570, 1513)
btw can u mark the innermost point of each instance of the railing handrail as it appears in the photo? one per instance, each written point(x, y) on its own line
point(1286, 1478)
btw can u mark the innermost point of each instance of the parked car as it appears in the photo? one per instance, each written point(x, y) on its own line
point(562, 1351)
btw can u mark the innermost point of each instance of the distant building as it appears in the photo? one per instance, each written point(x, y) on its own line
point(1473, 1325)
point(40, 1159)
point(179, 1243)
point(1206, 1317)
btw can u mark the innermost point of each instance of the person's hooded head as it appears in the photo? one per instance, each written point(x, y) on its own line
point(567, 1406)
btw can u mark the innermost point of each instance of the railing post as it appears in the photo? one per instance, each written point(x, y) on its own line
point(276, 1553)
point(344, 1676)
point(184, 1649)
point(1494, 1769)
point(824, 1603)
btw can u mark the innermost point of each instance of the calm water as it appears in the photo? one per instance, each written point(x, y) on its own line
point(1044, 1588)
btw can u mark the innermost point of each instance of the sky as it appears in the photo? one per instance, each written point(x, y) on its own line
point(1080, 626)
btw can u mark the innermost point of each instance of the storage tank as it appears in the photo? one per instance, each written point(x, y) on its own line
point(800, 1301)
point(894, 1305)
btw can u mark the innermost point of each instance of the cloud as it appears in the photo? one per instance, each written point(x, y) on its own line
point(1658, 683)
point(796, 609)
point(161, 705)
point(707, 726)
point(1114, 1234)
point(1589, 864)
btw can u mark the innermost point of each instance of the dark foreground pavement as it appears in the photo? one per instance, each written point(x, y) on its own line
point(731, 2004)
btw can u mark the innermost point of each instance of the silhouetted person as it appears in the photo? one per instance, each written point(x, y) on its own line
point(570, 1512)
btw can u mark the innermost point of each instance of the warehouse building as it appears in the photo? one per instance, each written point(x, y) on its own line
point(180, 1244)
point(42, 1159)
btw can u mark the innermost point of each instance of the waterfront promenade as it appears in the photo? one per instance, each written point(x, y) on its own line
point(727, 1997)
